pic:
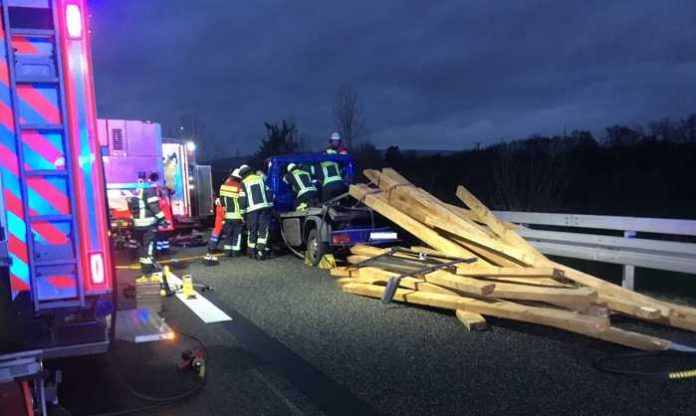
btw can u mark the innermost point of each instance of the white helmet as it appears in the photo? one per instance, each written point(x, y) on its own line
point(291, 166)
point(243, 170)
point(235, 174)
point(335, 136)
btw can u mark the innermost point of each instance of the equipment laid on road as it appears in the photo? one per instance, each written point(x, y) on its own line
point(187, 287)
point(509, 278)
point(211, 260)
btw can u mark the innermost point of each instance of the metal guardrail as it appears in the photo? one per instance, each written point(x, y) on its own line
point(636, 247)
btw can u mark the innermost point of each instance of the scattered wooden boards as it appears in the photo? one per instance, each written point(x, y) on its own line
point(510, 279)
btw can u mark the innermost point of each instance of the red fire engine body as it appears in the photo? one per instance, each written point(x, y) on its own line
point(56, 274)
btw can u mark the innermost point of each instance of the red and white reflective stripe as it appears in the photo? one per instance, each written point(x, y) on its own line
point(88, 175)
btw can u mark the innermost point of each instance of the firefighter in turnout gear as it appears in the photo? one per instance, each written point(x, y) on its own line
point(210, 259)
point(147, 216)
point(336, 144)
point(164, 231)
point(231, 193)
point(300, 180)
point(328, 173)
point(257, 203)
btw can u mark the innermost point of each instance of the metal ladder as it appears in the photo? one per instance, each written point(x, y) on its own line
point(54, 77)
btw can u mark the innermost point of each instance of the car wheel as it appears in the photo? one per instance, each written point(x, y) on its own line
point(315, 248)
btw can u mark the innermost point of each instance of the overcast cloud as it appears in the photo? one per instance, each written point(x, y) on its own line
point(431, 74)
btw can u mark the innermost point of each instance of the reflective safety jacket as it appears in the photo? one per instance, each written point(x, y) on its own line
point(257, 195)
point(230, 194)
point(341, 149)
point(145, 207)
point(328, 172)
point(301, 181)
point(166, 207)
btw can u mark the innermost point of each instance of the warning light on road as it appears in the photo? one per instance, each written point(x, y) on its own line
point(73, 19)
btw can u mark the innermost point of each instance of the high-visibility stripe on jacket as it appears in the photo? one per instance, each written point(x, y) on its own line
point(256, 194)
point(329, 172)
point(145, 207)
point(230, 193)
point(301, 182)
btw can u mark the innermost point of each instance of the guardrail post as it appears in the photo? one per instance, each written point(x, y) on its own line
point(629, 270)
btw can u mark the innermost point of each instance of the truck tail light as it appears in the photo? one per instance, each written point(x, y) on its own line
point(340, 239)
point(73, 21)
point(96, 265)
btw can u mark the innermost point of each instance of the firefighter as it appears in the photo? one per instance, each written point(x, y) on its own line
point(257, 203)
point(147, 215)
point(336, 144)
point(328, 174)
point(209, 259)
point(163, 231)
point(300, 180)
point(231, 193)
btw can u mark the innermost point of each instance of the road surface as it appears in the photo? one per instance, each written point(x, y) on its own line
point(296, 345)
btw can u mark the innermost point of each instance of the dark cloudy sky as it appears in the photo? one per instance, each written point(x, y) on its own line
point(431, 74)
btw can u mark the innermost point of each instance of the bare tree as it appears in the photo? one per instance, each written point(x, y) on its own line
point(349, 115)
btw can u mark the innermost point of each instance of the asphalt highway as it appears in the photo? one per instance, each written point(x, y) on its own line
point(296, 345)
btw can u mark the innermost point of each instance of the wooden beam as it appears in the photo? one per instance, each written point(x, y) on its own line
point(510, 272)
point(570, 321)
point(527, 281)
point(430, 211)
point(471, 320)
point(491, 273)
point(343, 271)
point(496, 258)
point(502, 272)
point(556, 296)
point(624, 300)
point(395, 185)
point(396, 265)
point(596, 327)
point(634, 304)
point(634, 340)
point(494, 223)
point(457, 212)
point(465, 285)
point(431, 288)
point(471, 216)
point(376, 200)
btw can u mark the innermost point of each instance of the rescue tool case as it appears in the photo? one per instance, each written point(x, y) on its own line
point(53, 215)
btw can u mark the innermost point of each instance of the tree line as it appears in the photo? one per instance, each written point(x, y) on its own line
point(637, 171)
point(643, 170)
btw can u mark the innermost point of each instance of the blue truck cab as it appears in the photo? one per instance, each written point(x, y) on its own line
point(329, 226)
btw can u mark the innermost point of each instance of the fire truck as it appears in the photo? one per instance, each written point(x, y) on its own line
point(132, 149)
point(56, 271)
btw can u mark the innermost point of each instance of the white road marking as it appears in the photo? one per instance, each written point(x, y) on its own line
point(199, 305)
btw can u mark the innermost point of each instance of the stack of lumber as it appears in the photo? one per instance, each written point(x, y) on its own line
point(510, 279)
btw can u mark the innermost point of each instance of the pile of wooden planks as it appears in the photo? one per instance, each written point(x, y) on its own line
point(509, 278)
